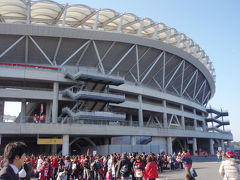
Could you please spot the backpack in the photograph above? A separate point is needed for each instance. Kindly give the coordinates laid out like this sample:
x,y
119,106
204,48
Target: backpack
x,y
193,172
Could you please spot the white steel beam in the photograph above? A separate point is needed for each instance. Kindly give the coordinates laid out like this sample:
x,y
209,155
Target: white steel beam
x,y
169,124
28,3
154,36
157,84
109,20
83,53
204,89
56,51
134,77
173,74
106,53
152,66
86,18
98,56
137,62
79,49
116,65
64,14
175,89
204,100
39,48
195,86
130,23
119,28
26,50
200,89
10,47
96,22
183,70
164,66
189,82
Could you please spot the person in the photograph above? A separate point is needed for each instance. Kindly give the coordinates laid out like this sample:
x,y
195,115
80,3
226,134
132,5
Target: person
x,y
188,177
187,161
15,155
123,167
63,175
151,171
230,167
138,168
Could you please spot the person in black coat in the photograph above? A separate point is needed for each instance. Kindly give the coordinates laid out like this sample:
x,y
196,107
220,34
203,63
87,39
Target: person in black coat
x,y
14,153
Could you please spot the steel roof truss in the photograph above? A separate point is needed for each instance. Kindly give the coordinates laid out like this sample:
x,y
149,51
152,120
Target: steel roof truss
x,y
175,89
199,89
26,50
108,21
195,85
157,83
10,47
152,66
108,50
204,89
134,77
40,49
56,51
137,62
173,74
99,58
122,58
204,100
189,82
183,70
73,54
83,53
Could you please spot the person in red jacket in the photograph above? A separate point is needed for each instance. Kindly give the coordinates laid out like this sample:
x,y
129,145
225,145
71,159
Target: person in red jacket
x,y
54,167
43,171
151,171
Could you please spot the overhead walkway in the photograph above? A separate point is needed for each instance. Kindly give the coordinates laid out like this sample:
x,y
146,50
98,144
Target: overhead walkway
x,y
95,77
97,115
96,96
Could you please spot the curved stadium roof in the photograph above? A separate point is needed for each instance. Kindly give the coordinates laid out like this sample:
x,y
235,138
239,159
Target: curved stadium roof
x,y
45,12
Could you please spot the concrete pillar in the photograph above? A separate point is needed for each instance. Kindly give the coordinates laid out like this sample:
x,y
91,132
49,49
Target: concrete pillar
x,y
195,146
54,149
133,140
106,141
65,146
222,145
182,117
1,110
48,112
211,143
55,102
140,111
130,120
0,139
165,122
169,145
195,120
23,111
204,122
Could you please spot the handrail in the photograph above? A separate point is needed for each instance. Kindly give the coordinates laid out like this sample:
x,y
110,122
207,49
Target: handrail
x,y
30,66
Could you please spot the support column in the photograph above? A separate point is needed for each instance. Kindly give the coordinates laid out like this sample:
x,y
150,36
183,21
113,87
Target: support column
x,y
140,111
169,145
48,112
55,102
23,111
182,117
65,146
204,122
165,123
133,140
195,120
195,146
54,149
211,143
222,145
1,110
0,139
130,120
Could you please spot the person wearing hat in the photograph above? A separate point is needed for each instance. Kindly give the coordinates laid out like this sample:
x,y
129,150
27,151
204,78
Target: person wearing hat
x,y
230,167
14,154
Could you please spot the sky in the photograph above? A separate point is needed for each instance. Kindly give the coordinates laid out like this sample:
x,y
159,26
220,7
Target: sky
x,y
214,25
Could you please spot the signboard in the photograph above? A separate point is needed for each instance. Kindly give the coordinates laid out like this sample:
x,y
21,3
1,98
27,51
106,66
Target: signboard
x,y
49,141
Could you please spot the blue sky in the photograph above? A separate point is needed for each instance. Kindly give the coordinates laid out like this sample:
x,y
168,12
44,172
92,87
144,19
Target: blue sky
x,y
214,25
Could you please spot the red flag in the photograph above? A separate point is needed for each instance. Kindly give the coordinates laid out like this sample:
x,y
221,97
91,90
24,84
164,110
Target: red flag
x,y
41,109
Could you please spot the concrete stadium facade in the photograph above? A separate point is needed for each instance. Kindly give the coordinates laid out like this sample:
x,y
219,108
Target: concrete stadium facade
x,y
104,81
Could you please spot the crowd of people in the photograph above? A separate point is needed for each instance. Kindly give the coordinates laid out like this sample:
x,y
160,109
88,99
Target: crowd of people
x,y
88,167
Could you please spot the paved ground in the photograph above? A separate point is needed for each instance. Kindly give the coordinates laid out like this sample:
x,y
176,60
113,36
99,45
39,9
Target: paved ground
x,y
205,171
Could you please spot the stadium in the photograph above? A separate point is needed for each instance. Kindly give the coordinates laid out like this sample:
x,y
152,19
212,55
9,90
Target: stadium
x,y
102,81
